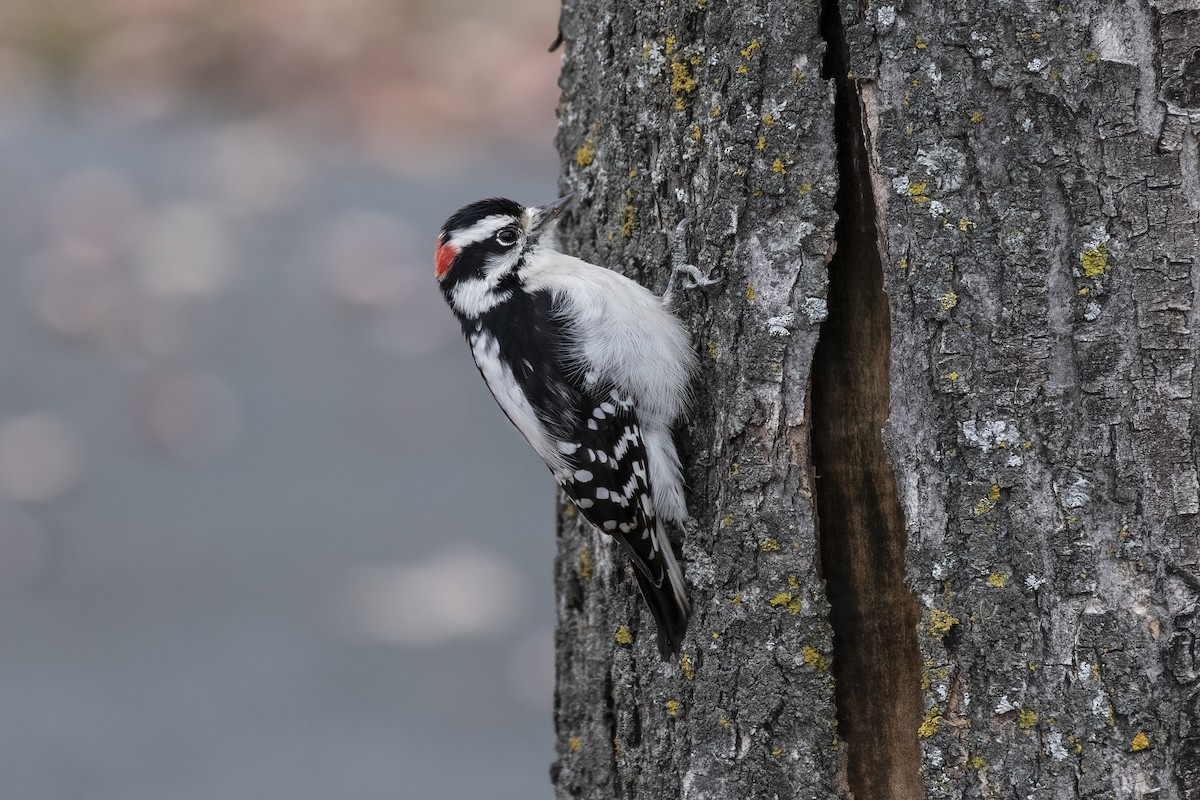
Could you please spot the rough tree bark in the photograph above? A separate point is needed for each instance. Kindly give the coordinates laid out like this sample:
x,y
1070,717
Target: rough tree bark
x,y
942,459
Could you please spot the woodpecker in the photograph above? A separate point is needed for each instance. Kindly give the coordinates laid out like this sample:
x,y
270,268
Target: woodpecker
x,y
593,370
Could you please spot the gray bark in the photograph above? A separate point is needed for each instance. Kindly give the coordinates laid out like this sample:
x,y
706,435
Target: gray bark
x,y
980,233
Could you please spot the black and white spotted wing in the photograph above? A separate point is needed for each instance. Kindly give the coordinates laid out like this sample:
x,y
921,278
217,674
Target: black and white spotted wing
x,y
610,483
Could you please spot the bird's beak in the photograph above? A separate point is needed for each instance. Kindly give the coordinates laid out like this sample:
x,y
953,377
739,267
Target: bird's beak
x,y
548,214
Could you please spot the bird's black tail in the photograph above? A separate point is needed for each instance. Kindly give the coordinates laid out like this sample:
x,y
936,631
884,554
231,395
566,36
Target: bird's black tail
x,y
668,605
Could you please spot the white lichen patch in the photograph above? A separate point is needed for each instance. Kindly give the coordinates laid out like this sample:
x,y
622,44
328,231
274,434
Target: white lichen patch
x,y
781,325
1054,746
1004,705
989,435
1076,495
885,16
945,165
815,309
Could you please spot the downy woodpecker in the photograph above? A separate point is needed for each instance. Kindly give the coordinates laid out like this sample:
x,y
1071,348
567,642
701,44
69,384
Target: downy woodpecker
x,y
593,370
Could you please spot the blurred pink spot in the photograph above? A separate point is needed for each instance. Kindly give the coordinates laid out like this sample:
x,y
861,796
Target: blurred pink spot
x,y
189,413
41,458
362,259
458,594
252,168
187,252
98,208
76,290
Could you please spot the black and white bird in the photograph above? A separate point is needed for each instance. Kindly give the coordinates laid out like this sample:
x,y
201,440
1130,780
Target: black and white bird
x,y
591,367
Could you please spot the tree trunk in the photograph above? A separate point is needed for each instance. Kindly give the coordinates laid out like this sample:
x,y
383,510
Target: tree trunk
x,y
941,458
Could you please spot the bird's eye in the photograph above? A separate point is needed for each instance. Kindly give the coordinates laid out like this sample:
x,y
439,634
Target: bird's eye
x,y
507,237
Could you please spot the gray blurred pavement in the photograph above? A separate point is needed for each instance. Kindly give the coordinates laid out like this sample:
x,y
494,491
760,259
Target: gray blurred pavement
x,y
228,483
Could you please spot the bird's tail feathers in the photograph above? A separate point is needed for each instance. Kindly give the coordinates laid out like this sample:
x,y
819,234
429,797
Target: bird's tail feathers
x,y
668,602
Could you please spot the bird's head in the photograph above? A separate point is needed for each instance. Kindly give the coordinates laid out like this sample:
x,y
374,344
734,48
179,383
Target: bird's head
x,y
486,240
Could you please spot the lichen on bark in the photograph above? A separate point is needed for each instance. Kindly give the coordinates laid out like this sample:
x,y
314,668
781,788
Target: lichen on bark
x,y
714,115
1036,185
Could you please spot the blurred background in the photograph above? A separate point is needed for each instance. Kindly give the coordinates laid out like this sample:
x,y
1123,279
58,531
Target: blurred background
x,y
263,533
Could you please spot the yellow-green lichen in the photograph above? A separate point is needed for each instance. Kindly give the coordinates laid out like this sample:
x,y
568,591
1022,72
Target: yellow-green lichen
x,y
940,622
917,191
623,637
964,223
695,133
574,743
672,708
920,43
749,49
628,221
712,349
948,301
813,658
976,762
984,506
976,117
586,154
778,167
682,81
726,520
1026,719
586,569
761,144
725,723
750,292
685,666
1140,742
929,725
736,599
768,545
953,376
996,580
791,602
1094,260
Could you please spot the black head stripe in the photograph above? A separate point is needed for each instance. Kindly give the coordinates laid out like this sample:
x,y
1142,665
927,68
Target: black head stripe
x,y
467,216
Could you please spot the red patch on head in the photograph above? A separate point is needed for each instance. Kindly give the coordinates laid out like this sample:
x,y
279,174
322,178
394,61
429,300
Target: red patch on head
x,y
443,257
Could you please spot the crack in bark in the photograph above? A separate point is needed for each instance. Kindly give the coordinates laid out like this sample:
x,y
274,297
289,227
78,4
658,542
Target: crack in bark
x,y
874,615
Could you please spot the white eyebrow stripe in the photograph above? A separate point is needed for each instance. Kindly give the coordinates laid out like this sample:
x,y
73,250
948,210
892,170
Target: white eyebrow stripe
x,y
481,230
